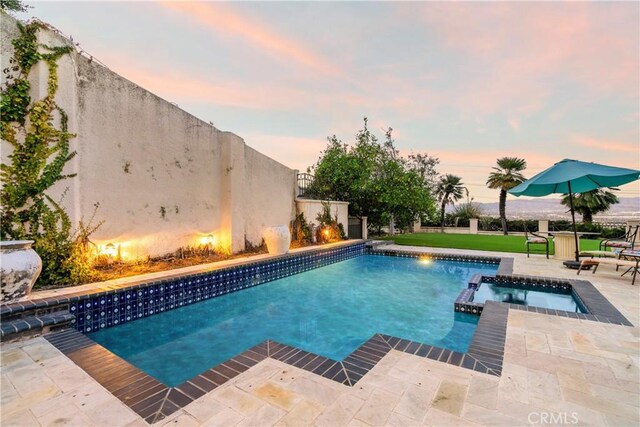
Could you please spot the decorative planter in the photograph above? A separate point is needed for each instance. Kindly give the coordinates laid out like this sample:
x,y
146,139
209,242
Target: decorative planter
x,y
278,239
20,267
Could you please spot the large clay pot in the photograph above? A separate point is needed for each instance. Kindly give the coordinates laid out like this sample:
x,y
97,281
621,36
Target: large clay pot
x,y
20,267
277,238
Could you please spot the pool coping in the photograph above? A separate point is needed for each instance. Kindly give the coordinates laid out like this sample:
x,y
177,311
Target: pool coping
x,y
154,401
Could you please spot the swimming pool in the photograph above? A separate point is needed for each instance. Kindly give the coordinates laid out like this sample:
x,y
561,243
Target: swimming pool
x,y
329,311
528,296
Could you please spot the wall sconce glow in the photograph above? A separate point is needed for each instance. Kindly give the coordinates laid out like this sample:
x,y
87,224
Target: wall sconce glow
x,y
208,240
109,250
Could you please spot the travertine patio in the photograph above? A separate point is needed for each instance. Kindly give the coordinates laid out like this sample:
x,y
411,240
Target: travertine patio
x,y
556,371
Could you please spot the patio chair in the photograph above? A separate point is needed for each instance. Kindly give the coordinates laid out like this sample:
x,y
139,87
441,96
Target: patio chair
x,y
630,260
536,239
627,241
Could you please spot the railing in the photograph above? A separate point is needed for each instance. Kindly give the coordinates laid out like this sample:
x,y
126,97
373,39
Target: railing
x,y
610,224
304,183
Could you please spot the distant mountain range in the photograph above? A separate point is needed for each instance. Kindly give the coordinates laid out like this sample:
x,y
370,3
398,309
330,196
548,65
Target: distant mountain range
x,y
627,209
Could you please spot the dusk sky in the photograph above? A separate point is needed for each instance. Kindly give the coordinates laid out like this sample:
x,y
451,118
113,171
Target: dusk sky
x,y
465,82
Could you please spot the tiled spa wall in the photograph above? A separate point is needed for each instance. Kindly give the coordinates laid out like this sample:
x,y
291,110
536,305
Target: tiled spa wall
x,y
125,305
465,302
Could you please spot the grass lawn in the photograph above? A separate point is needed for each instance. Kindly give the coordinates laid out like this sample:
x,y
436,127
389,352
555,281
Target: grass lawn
x,y
480,242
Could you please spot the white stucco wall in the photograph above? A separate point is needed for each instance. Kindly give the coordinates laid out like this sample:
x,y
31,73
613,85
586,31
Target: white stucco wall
x,y
154,169
265,204
163,178
311,209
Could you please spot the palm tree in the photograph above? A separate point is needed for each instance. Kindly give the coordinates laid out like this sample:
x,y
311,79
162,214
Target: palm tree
x,y
592,202
448,190
506,176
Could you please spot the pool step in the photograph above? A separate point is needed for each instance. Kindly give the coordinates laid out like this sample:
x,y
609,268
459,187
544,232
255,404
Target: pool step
x,y
26,319
475,281
34,325
375,244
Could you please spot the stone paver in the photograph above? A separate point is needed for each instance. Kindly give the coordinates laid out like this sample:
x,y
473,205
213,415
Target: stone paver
x,y
450,397
552,366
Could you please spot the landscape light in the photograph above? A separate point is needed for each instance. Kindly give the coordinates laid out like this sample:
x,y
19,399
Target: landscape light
x,y
110,250
208,240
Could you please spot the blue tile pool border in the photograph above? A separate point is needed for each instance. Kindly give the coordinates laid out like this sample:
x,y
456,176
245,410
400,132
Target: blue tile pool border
x,y
99,312
98,309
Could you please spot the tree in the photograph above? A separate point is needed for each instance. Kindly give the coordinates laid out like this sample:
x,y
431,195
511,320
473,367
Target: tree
x,y
592,202
448,190
372,176
506,176
10,6
425,166
468,210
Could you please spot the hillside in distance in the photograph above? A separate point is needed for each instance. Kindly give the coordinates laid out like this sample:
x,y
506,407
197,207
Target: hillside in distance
x,y
627,209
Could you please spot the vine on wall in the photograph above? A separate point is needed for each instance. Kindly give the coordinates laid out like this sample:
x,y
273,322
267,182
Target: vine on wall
x,y
37,132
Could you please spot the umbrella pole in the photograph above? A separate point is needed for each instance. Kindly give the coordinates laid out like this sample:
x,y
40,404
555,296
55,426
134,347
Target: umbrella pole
x,y
573,220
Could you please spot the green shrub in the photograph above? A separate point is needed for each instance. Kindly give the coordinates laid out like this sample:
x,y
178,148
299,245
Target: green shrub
x,y
330,230
301,232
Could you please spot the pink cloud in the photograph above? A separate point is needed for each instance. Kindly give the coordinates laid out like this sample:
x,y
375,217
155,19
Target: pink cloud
x,y
221,18
183,86
294,152
605,144
480,157
517,54
180,85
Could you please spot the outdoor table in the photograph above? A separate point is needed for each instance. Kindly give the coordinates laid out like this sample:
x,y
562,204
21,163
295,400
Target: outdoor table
x,y
565,244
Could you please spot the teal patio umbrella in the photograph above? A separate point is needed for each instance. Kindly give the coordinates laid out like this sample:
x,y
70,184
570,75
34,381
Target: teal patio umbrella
x,y
573,176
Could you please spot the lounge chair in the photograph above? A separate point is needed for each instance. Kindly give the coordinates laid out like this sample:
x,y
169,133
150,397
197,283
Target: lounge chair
x,y
536,239
630,260
627,241
599,254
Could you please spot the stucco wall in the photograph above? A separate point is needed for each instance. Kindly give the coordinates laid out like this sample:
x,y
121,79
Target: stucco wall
x,y
265,204
311,209
162,177
154,168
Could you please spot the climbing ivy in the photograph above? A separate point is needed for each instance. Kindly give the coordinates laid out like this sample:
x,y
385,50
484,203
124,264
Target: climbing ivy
x,y
39,152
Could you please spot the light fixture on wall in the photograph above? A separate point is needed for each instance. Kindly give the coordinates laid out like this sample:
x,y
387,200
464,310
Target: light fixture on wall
x,y
208,242
110,251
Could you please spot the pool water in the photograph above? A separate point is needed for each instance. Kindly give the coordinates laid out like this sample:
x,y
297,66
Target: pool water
x,y
329,311
527,296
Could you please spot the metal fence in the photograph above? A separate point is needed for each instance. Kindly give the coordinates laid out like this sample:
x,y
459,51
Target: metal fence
x,y
355,228
304,183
